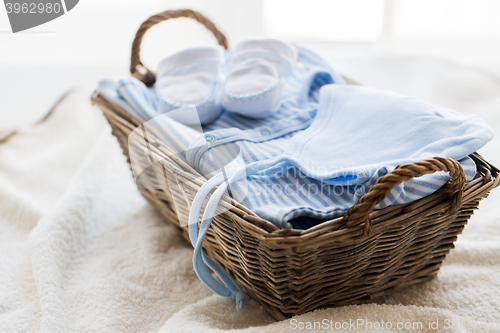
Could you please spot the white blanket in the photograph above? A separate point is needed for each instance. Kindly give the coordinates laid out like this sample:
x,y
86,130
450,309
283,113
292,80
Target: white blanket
x,y
82,251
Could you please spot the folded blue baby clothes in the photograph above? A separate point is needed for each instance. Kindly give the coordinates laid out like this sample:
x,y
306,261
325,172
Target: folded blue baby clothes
x,y
359,134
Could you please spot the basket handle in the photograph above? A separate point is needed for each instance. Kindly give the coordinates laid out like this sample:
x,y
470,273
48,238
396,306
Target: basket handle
x,y
360,212
135,60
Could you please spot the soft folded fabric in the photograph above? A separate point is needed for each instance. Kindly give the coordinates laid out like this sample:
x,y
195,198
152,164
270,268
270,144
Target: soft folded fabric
x,y
359,130
255,84
191,77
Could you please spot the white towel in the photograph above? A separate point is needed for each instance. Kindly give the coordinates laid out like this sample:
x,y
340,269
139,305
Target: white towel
x,y
82,251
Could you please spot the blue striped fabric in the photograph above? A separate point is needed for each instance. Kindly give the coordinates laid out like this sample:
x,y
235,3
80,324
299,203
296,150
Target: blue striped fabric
x,y
282,195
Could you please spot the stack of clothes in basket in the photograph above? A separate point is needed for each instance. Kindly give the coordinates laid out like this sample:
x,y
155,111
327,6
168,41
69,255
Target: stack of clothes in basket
x,y
274,126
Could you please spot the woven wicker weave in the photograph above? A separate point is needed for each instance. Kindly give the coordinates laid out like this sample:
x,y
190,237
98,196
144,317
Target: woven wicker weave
x,y
347,260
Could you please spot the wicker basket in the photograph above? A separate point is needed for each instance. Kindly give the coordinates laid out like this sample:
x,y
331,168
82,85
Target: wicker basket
x,y
347,260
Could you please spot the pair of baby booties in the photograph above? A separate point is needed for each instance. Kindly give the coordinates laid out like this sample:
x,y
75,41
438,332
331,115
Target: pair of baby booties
x,y
252,88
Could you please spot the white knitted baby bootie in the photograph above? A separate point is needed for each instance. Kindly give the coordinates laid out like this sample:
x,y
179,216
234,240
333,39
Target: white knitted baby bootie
x,y
255,83
191,77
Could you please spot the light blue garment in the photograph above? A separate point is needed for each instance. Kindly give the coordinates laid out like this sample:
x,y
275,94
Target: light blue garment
x,y
267,146
359,130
